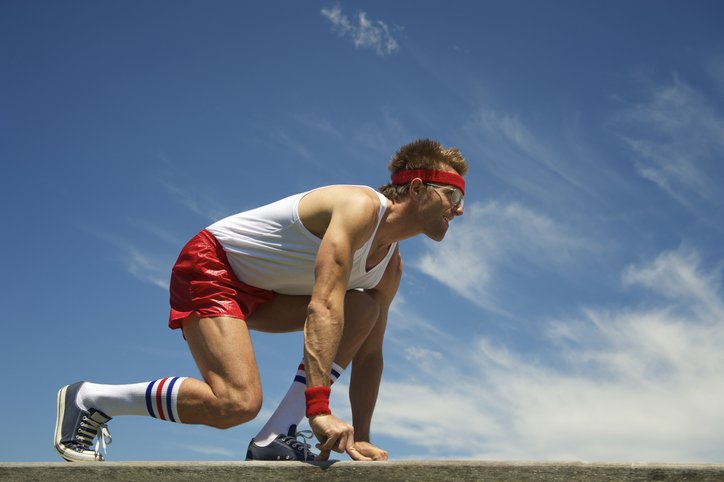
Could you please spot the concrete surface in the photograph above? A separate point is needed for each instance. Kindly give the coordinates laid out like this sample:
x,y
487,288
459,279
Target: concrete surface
x,y
413,470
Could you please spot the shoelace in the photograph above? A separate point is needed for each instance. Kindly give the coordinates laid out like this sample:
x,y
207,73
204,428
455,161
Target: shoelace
x,y
293,442
103,440
90,429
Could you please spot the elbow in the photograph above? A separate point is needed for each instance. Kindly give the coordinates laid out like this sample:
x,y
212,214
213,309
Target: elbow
x,y
323,315
318,308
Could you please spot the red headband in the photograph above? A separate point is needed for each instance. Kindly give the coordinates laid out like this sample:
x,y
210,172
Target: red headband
x,y
429,175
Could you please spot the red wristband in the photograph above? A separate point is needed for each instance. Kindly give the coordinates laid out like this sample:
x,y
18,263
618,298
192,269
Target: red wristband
x,y
317,401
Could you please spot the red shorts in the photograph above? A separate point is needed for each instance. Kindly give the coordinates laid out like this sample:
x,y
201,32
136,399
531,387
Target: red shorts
x,y
203,283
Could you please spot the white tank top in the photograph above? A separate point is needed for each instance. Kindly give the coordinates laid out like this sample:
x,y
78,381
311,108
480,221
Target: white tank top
x,y
269,247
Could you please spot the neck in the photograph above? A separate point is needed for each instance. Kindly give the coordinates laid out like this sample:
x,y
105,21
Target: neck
x,y
396,224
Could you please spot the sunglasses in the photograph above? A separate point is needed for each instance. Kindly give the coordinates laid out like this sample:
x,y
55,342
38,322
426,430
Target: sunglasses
x,y
454,194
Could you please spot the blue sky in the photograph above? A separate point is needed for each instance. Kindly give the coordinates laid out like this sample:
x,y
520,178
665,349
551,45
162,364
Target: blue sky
x,y
575,312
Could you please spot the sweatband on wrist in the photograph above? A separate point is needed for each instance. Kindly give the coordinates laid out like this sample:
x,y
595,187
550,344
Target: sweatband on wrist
x,y
317,401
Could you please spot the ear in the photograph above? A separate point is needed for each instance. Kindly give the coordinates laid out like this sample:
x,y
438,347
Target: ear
x,y
416,188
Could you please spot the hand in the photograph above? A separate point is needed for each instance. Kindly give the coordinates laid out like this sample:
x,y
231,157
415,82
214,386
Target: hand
x,y
370,451
334,434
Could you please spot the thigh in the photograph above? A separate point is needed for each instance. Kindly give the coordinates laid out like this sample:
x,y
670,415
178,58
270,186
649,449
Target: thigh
x,y
283,314
286,313
222,349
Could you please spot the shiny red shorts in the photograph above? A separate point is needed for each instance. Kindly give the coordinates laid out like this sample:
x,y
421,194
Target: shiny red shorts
x,y
203,283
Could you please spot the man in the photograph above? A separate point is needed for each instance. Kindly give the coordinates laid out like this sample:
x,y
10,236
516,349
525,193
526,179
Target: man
x,y
325,262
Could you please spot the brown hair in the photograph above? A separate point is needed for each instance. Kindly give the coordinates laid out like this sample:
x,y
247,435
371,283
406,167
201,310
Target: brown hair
x,y
422,154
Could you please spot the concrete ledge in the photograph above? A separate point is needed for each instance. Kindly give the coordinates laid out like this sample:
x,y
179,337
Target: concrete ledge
x,y
359,471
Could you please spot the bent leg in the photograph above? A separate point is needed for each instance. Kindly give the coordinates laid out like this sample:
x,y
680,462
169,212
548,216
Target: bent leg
x,y
288,313
231,391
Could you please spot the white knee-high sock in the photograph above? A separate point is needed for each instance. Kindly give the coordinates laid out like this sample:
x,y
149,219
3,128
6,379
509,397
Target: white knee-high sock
x,y
156,398
292,408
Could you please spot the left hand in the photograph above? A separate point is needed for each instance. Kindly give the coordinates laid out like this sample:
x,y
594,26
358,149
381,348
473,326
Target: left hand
x,y
370,451
334,434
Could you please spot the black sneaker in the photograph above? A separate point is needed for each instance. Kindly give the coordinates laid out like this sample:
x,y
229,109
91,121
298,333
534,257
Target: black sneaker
x,y
75,429
284,447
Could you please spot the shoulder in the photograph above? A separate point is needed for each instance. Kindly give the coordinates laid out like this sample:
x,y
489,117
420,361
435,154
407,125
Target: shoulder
x,y
345,199
350,194
355,204
341,205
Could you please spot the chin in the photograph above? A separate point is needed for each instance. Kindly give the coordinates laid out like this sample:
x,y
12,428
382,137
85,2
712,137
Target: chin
x,y
436,236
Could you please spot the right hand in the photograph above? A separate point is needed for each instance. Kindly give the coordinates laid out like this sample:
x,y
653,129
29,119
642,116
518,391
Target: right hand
x,y
334,434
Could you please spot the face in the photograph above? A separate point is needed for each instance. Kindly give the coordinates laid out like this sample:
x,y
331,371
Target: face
x,y
440,206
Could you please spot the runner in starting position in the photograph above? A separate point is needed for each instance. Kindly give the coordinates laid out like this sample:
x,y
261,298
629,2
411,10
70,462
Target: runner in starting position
x,y
325,262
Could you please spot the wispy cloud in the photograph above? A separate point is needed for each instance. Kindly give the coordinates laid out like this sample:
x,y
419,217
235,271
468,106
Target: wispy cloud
x,y
321,125
383,134
676,137
493,237
315,160
167,236
282,138
554,166
364,32
638,383
674,275
145,267
194,201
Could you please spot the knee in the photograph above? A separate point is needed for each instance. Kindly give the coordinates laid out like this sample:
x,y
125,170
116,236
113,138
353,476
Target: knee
x,y
236,409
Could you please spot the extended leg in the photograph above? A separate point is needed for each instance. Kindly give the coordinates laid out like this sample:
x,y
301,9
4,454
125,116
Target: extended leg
x,y
229,395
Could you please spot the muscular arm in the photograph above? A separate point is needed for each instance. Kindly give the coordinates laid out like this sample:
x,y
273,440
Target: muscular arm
x,y
344,217
368,363
352,218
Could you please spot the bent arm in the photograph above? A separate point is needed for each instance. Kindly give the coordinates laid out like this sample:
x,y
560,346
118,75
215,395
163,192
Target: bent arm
x,y
325,322
367,365
351,223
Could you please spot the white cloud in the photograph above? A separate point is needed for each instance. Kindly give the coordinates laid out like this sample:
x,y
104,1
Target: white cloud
x,y
149,269
165,235
527,159
511,129
283,139
364,32
321,125
416,353
631,383
677,138
494,236
674,275
381,135
193,200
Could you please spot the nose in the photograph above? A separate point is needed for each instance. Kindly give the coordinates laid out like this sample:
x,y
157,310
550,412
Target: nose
x,y
458,210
